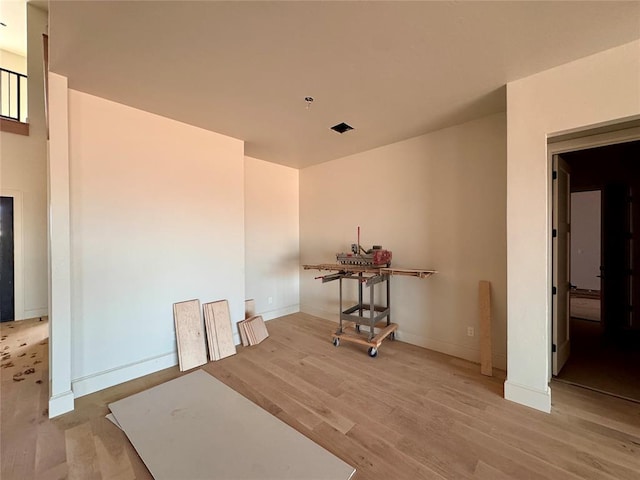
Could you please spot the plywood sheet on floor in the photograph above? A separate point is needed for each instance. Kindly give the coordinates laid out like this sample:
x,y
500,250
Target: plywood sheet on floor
x,y
197,427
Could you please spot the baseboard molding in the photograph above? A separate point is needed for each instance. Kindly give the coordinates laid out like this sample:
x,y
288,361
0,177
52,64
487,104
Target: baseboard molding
x,y
36,313
529,397
455,350
61,403
280,312
318,312
99,381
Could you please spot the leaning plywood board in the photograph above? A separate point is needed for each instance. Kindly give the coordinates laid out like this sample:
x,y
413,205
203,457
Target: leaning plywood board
x,y
484,309
192,349
218,322
212,340
243,333
249,308
214,432
256,329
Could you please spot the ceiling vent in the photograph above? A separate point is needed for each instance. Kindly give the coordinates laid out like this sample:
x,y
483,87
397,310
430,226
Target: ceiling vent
x,y
341,128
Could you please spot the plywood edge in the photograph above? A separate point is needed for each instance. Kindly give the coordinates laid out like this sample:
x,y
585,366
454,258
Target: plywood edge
x,y
212,341
484,311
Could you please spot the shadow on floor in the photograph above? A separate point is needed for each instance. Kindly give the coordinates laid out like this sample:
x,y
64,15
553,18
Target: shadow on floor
x,y
600,363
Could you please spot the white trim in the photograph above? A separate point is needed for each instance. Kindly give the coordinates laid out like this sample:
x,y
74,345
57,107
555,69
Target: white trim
x,y
540,400
280,312
588,140
61,403
115,376
318,312
469,353
18,249
59,238
35,313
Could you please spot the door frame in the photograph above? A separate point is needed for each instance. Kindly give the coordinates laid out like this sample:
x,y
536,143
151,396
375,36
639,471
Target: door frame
x,y
565,143
18,249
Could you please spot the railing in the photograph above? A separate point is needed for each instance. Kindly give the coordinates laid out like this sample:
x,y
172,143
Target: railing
x,y
13,95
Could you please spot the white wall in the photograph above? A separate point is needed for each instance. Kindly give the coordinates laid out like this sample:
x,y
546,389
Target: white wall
x,y
157,217
594,90
436,201
13,61
585,239
23,170
272,243
18,64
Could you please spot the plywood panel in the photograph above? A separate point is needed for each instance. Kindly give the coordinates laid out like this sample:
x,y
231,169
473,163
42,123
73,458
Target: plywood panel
x,y
256,329
249,308
192,350
212,339
215,432
217,317
484,308
243,333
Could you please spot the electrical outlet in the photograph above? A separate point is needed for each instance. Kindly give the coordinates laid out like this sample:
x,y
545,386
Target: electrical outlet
x,y
270,300
470,332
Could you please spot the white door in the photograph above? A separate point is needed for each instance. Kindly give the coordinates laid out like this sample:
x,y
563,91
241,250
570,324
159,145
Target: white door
x,y
561,262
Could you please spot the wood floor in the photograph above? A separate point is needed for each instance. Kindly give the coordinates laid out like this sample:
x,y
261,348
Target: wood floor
x,y
408,414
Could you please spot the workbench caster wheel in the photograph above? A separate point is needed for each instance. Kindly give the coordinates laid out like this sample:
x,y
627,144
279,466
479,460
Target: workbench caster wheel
x,y
373,352
336,342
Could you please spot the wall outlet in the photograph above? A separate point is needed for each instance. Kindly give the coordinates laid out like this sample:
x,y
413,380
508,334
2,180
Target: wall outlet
x,y
470,332
270,300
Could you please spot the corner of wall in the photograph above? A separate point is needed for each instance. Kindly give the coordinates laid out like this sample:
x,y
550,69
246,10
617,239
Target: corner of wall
x,y
540,400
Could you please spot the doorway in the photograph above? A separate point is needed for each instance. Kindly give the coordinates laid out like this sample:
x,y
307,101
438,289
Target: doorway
x,y
604,296
7,270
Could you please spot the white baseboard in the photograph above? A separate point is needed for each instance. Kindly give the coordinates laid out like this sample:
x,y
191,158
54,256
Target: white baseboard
x,y
529,397
99,381
61,403
280,312
455,350
318,312
33,313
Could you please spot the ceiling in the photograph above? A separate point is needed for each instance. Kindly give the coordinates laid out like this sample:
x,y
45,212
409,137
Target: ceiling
x,y
392,70
13,36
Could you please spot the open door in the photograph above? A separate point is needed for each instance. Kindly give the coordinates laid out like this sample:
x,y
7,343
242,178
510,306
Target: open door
x,y
561,262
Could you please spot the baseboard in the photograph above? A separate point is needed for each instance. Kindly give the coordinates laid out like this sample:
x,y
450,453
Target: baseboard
x,y
529,397
33,313
99,381
318,312
471,354
280,312
61,403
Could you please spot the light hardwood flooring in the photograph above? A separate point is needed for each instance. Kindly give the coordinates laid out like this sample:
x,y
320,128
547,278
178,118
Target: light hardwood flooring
x,y
410,413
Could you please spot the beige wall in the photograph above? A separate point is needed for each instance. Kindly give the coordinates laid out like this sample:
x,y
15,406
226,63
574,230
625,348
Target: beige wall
x,y
12,61
272,244
436,201
598,89
23,172
157,217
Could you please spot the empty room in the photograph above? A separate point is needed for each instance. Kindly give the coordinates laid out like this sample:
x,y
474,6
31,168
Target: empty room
x,y
315,240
